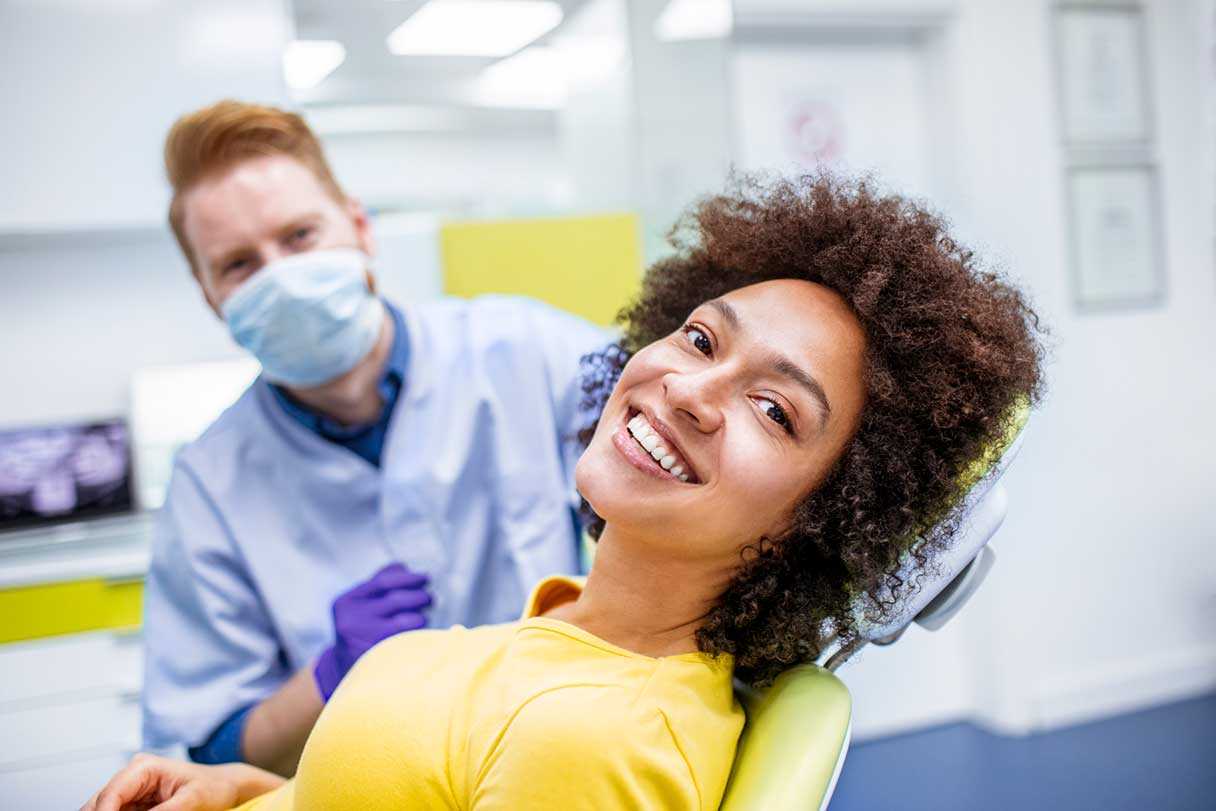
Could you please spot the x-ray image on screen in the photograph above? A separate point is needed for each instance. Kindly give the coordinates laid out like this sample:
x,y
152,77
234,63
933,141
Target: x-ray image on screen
x,y
64,472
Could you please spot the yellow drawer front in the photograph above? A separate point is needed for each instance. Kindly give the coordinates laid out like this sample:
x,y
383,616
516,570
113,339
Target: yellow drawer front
x,y
68,608
589,266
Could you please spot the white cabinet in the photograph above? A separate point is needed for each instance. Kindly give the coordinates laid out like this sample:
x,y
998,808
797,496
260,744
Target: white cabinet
x,y
69,715
63,785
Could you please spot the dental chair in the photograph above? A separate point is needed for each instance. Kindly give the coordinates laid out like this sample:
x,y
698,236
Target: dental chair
x,y
798,730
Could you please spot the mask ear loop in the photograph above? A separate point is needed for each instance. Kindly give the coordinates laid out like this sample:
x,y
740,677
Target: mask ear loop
x,y
369,273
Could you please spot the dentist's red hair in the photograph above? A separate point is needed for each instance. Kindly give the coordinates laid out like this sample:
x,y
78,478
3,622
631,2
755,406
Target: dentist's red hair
x,y
216,138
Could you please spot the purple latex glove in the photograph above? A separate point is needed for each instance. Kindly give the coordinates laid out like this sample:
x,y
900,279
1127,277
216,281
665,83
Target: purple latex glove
x,y
389,602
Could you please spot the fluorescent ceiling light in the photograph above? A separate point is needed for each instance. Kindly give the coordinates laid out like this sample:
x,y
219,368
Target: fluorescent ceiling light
x,y
306,62
474,27
694,19
533,78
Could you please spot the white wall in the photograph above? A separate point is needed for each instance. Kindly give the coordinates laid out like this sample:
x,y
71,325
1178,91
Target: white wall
x,y
647,124
91,286
1105,599
89,89
1104,595
483,172
77,317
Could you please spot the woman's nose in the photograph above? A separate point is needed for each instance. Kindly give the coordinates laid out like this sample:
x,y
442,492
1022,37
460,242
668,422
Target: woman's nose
x,y
697,397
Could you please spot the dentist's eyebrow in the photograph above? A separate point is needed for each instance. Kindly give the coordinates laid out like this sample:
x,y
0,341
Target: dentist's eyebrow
x,y
778,363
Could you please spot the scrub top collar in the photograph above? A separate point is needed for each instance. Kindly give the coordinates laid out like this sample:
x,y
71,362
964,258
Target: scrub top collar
x,y
358,437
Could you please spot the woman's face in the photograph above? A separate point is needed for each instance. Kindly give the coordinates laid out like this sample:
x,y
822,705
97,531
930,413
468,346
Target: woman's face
x,y
748,407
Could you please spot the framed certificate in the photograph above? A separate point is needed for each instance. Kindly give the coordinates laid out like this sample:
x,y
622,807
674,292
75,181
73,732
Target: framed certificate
x,y
1116,255
1102,62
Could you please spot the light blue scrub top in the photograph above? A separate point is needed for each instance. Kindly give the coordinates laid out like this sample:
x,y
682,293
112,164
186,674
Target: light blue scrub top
x,y
265,522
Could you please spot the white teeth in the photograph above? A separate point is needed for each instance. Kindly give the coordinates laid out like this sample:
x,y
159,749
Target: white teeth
x,y
650,440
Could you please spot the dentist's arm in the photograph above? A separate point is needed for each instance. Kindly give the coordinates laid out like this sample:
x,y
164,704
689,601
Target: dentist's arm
x,y
276,729
388,603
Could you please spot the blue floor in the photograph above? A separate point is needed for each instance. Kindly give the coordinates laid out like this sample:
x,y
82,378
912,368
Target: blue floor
x,y
1163,758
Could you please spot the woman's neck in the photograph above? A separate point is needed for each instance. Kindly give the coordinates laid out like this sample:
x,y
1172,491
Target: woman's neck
x,y
645,600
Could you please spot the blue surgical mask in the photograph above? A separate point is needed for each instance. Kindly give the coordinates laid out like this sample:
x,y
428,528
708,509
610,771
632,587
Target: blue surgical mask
x,y
309,318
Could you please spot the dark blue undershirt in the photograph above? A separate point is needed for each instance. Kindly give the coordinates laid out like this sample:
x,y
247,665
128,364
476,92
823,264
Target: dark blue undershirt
x,y
365,440
224,745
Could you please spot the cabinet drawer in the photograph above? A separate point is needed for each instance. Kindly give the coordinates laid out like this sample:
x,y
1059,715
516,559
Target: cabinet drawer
x,y
107,723
58,786
65,608
104,661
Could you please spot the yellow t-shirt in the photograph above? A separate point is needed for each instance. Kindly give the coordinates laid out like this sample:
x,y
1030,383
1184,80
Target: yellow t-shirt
x,y
535,715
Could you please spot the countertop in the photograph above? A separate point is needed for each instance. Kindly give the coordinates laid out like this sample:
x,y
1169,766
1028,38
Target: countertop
x,y
111,548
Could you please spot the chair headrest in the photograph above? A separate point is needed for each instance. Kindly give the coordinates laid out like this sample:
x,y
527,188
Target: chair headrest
x,y
982,511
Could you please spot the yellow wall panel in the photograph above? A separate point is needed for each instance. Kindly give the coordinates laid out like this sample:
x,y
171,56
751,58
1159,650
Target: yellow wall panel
x,y
589,266
67,608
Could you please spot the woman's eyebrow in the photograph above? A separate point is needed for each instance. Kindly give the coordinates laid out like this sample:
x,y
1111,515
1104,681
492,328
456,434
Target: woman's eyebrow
x,y
777,362
792,371
727,312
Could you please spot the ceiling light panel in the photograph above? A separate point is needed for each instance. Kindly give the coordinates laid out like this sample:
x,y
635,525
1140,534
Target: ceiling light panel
x,y
694,19
306,62
474,27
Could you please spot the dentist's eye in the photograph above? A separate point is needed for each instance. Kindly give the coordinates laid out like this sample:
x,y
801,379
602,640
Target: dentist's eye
x,y
698,339
302,237
777,414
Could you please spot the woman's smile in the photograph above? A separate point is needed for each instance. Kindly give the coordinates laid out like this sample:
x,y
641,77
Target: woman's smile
x,y
650,451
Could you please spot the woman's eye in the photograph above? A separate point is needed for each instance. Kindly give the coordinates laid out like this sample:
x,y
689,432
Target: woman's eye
x,y
234,265
777,414
698,339
301,234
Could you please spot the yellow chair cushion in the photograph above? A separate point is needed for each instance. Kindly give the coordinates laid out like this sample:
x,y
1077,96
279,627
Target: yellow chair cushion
x,y
795,733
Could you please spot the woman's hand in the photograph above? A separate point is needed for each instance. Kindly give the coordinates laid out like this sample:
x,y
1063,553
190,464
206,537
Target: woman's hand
x,y
151,783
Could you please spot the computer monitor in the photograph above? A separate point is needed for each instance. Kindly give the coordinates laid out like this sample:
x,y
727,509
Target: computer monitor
x,y
61,473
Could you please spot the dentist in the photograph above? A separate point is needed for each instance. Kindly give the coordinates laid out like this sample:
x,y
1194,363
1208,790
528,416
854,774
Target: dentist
x,y
394,466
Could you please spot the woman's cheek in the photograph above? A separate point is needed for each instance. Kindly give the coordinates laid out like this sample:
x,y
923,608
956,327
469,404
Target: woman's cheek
x,y
760,475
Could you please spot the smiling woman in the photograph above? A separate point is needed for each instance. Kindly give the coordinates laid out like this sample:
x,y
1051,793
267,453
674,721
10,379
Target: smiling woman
x,y
949,349
801,387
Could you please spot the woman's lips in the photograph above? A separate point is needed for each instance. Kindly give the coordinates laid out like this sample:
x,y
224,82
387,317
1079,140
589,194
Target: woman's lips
x,y
637,456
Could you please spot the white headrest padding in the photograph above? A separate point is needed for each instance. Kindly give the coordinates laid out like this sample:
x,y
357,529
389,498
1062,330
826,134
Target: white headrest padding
x,y
982,513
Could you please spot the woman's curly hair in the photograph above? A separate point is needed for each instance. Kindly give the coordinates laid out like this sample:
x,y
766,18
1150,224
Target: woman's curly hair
x,y
951,350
